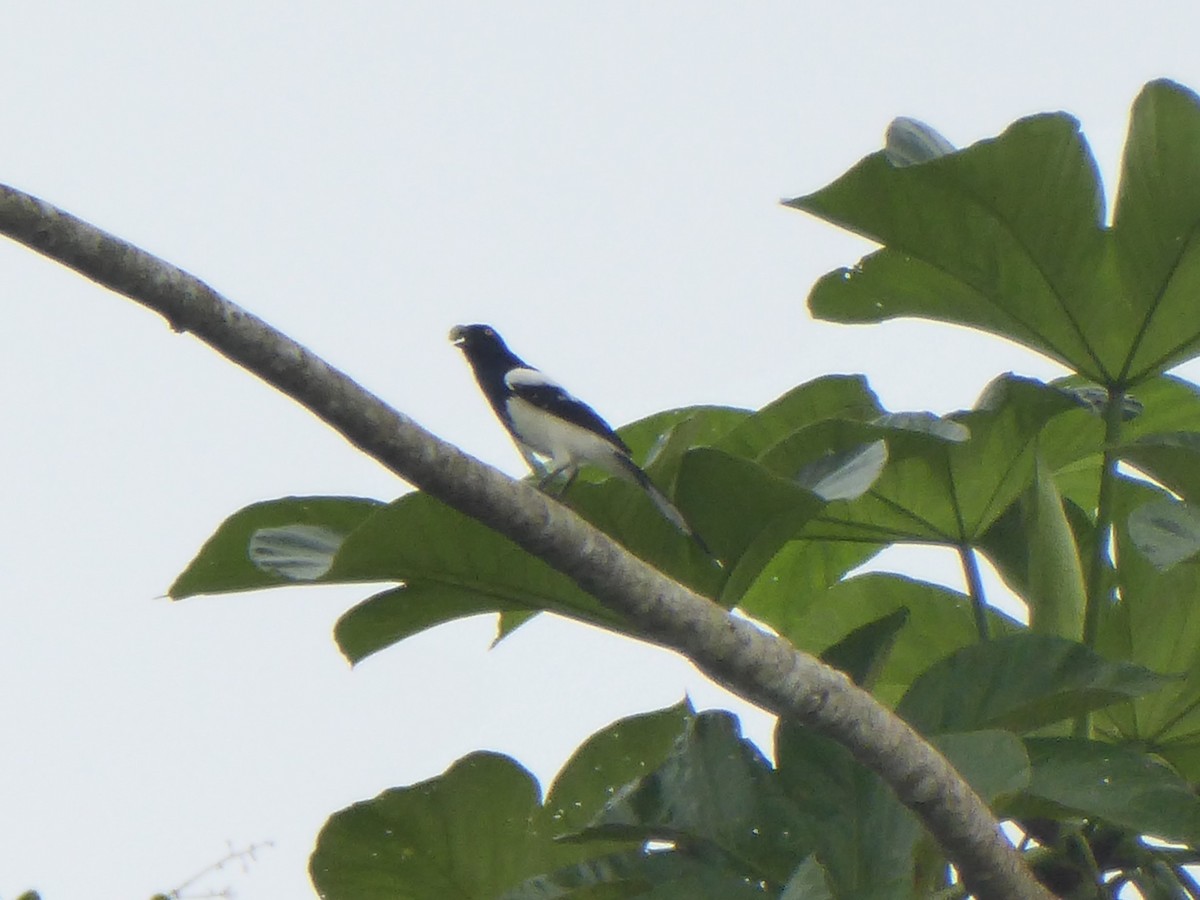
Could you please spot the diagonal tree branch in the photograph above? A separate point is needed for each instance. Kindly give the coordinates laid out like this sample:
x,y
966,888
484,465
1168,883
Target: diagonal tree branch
x,y
760,667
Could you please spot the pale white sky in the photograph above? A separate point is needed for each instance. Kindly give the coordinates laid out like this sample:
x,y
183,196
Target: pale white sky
x,y
600,181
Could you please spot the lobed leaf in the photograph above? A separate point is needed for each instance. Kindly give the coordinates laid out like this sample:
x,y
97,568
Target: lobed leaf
x,y
716,791
1008,236
1120,784
1019,682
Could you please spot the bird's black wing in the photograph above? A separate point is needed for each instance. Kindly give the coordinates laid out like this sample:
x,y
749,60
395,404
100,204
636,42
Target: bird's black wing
x,y
537,389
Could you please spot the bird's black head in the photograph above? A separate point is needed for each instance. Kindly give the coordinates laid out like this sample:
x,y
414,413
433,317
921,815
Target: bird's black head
x,y
484,347
474,338
490,359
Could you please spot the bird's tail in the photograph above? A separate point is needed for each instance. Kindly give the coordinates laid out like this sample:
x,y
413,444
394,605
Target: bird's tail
x,y
669,510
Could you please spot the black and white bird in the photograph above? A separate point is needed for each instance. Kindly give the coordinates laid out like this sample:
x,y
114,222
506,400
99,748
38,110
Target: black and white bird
x,y
547,423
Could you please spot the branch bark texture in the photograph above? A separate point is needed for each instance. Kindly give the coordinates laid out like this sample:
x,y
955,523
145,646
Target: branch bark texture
x,y
764,669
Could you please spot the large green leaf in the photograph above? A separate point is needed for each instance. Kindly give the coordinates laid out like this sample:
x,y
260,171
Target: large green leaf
x,y
863,652
479,829
453,566
832,459
1007,236
1056,593
821,547
393,615
734,502
471,833
449,564
1118,783
947,492
716,794
993,762
1025,566
780,572
1171,458
659,441
939,621
223,563
863,836
1155,229
1019,682
625,512
843,397
1154,625
712,481
624,754
609,760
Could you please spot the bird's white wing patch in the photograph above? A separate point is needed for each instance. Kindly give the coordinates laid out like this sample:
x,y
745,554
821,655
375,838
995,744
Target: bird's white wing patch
x,y
518,378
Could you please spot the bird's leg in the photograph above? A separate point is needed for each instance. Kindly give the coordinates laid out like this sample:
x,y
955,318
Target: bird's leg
x,y
570,480
549,476
539,468
554,473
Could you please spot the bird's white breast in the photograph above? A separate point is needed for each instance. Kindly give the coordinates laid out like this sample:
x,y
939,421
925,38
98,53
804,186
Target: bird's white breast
x,y
562,442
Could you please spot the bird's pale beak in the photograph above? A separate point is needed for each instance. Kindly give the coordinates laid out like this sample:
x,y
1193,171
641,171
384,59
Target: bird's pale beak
x,y
457,335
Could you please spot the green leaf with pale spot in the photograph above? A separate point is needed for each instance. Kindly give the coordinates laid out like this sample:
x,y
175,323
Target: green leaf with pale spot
x,y
950,492
1165,531
223,563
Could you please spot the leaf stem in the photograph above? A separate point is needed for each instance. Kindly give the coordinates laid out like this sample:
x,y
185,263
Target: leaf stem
x,y
975,589
1096,594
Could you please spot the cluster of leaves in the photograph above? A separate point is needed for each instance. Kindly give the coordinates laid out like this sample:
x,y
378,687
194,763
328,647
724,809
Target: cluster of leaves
x,y
1082,725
